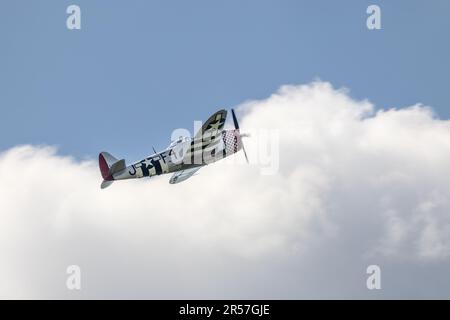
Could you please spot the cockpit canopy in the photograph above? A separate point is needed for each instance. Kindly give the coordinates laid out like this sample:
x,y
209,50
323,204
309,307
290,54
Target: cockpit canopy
x,y
178,148
180,140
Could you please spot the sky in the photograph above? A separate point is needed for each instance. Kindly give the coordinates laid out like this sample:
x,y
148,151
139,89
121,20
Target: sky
x,y
361,160
138,69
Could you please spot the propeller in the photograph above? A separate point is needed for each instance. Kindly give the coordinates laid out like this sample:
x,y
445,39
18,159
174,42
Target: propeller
x,y
236,126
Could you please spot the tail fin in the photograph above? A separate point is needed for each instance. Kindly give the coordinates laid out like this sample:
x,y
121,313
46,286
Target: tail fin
x,y
108,166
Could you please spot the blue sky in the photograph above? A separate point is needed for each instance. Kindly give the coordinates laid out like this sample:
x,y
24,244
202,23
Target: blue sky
x,y
138,69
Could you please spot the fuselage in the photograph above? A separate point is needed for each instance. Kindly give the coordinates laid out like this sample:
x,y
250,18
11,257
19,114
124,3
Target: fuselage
x,y
184,153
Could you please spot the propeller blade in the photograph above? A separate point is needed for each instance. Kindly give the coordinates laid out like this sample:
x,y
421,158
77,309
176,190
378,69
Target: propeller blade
x,y
236,124
245,153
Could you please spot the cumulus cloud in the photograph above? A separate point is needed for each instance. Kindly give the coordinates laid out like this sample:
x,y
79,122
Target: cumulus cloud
x,y
354,187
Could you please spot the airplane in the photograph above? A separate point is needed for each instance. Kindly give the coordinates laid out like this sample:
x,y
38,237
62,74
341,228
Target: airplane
x,y
183,157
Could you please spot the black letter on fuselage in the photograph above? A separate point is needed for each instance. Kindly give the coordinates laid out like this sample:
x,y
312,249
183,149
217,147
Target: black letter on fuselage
x,y
157,166
132,173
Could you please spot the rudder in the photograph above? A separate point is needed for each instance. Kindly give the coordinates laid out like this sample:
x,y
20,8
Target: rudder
x,y
105,162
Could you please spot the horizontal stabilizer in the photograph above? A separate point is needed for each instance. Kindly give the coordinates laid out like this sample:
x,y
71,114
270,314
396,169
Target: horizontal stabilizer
x,y
106,183
117,167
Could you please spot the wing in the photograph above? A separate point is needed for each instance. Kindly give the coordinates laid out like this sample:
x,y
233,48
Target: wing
x,y
208,136
183,175
214,124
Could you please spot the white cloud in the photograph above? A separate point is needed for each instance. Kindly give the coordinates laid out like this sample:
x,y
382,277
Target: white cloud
x,y
355,187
